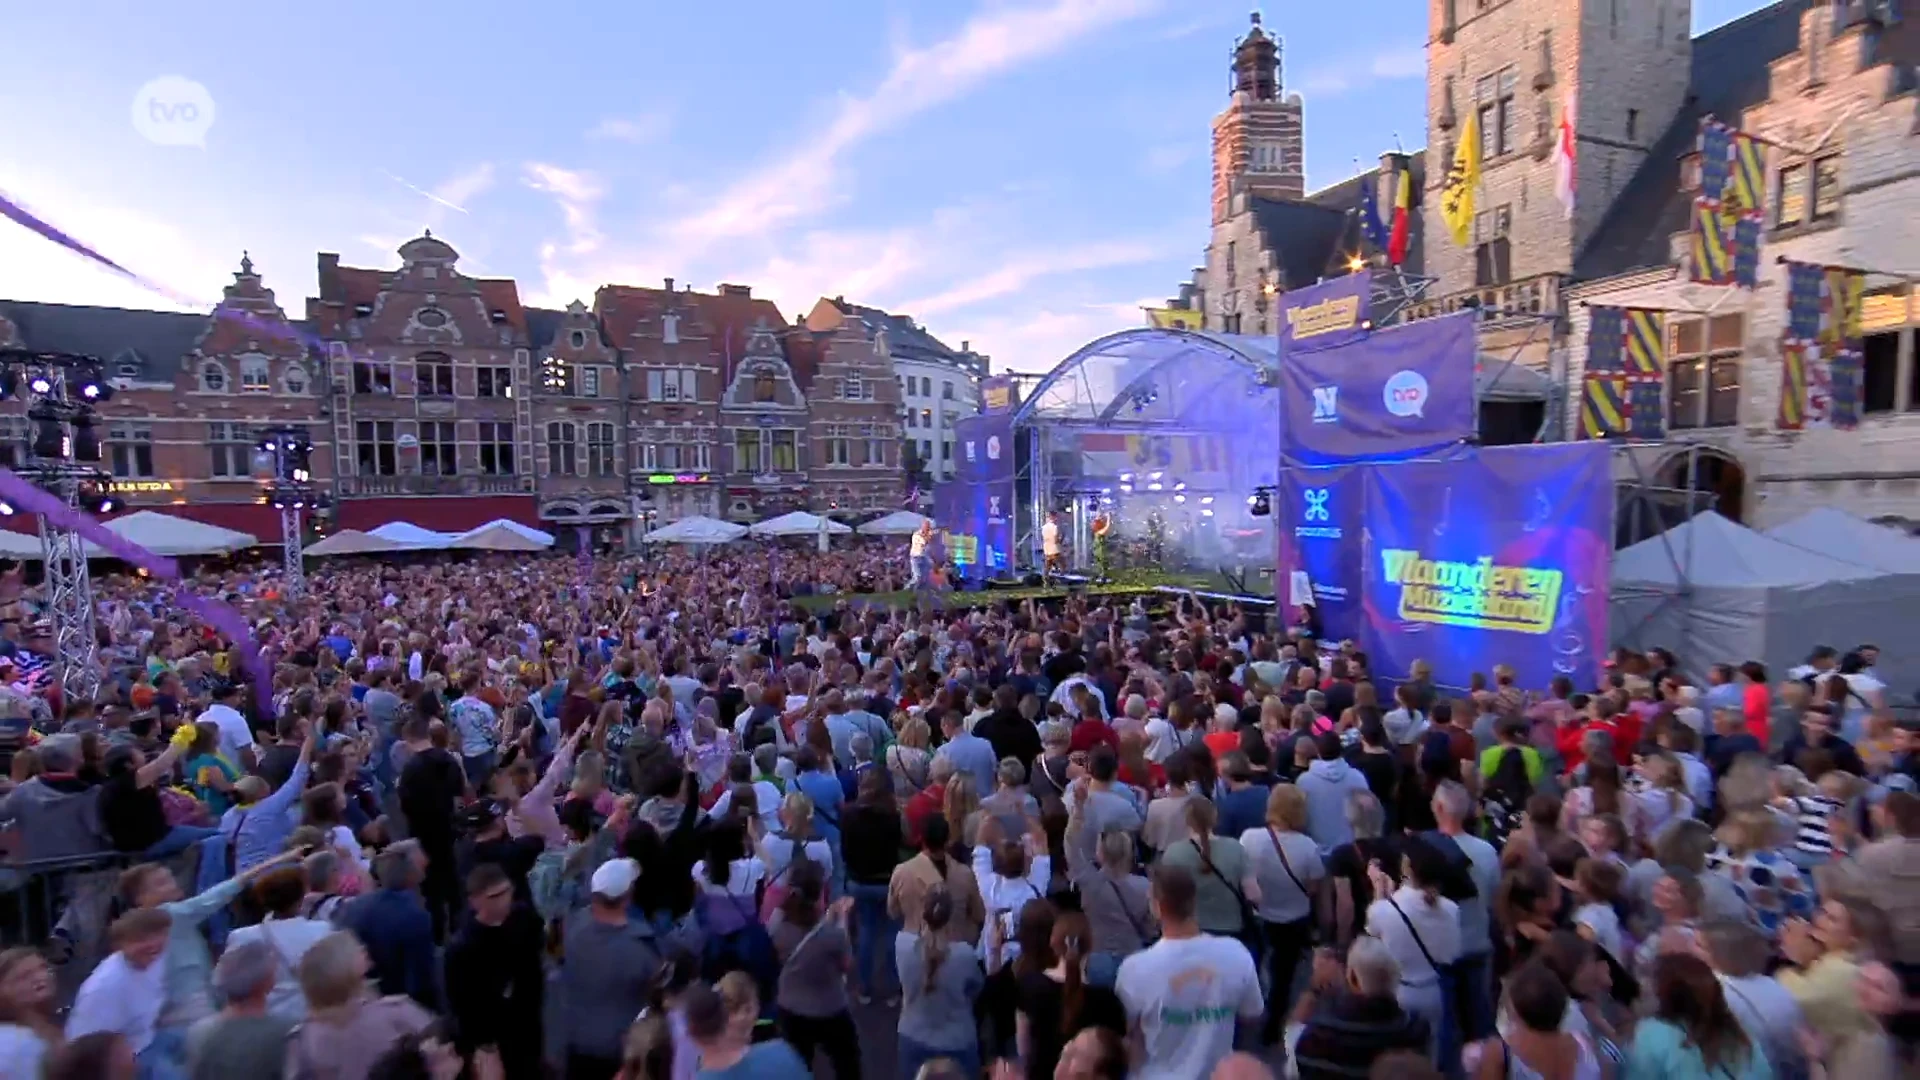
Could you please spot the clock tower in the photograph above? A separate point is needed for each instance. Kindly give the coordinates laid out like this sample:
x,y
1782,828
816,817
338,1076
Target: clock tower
x,y
1257,140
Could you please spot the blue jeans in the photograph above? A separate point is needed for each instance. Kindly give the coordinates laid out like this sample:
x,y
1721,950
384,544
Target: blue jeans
x,y
178,839
1473,996
1103,969
164,1058
912,1055
873,938
922,572
479,767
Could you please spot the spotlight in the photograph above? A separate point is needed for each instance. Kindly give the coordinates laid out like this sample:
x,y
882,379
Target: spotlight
x,y
1180,485
86,441
41,383
1126,477
1206,500
91,387
96,501
9,383
6,508
1206,513
1126,489
1155,486
49,439
1180,498
1261,505
1156,476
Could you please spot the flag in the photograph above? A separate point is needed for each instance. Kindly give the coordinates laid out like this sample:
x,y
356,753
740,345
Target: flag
x,y
1822,367
1564,154
1402,213
1463,178
1623,393
1175,319
1376,230
1724,236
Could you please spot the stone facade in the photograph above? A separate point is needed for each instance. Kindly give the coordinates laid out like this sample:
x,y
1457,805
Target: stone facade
x,y
581,452
673,384
191,393
764,428
1258,143
1834,105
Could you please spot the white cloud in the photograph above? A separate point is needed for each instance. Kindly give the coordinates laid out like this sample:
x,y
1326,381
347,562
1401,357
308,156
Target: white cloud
x,y
577,194
1357,72
645,128
1017,273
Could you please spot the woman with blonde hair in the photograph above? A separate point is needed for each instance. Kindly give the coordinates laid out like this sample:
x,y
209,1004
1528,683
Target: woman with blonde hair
x,y
1663,801
909,759
794,842
347,1029
962,807
1750,857
1227,887
940,978
1286,862
29,1028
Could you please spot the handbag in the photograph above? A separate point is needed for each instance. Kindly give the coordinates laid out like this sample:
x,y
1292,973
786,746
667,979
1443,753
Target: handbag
x,y
1313,924
1249,918
1120,898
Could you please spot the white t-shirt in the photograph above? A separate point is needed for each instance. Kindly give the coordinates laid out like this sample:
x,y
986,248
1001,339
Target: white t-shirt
x,y
289,939
1050,538
234,732
1164,740
743,876
1438,925
118,997
1604,924
21,1052
778,854
917,547
1003,897
1185,994
1769,1015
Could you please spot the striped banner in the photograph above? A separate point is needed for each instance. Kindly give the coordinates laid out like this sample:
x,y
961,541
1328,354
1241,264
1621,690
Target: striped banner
x,y
1746,193
1793,386
1711,239
1724,235
1623,392
1822,367
1603,405
1646,342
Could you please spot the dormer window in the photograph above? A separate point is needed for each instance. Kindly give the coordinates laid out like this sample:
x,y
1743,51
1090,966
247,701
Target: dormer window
x,y
213,378
255,375
127,369
362,310
431,318
578,339
499,315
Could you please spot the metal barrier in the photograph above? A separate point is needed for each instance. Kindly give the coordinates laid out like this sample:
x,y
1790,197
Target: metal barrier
x,y
74,895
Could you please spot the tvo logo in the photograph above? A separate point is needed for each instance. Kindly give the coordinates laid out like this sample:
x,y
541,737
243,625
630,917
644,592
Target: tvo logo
x,y
1326,404
1406,394
173,111
993,448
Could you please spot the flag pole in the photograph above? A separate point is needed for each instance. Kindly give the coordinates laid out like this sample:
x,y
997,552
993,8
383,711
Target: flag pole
x,y
1782,260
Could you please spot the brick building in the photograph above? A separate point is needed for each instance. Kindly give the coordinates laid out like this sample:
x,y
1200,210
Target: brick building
x,y
191,391
1831,86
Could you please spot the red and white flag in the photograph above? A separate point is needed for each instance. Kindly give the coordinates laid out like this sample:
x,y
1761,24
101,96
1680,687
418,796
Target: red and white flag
x,y
1563,155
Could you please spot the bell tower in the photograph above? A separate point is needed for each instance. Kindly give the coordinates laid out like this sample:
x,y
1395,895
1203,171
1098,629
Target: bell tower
x,y
1258,143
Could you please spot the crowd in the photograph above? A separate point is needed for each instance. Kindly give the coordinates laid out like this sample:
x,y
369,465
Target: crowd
x,y
679,816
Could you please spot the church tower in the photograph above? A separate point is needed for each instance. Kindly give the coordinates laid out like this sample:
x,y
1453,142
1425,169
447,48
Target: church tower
x,y
1257,140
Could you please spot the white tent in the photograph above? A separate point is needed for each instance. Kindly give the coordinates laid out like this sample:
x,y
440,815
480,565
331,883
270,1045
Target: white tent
x,y
24,546
898,523
502,535
798,523
696,530
164,534
412,537
353,542
1840,535
1718,592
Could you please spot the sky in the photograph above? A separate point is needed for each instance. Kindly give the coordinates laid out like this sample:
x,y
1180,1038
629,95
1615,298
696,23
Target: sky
x,y
1024,175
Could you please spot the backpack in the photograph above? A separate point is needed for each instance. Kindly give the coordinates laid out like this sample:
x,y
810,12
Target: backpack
x,y
1503,802
748,949
761,732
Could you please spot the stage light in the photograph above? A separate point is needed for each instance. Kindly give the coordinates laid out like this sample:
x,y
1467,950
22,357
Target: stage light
x,y
1356,264
1260,505
1156,486
1180,499
95,501
86,441
1156,476
6,508
1106,500
1126,478
1206,500
1180,485
9,383
1206,513
1106,491
49,439
41,383
92,388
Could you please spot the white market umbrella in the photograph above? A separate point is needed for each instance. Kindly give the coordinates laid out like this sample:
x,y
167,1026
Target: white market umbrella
x,y
164,534
798,523
502,535
412,537
696,529
353,542
898,523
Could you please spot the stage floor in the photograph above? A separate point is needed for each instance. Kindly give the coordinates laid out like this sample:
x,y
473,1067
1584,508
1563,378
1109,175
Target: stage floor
x,y
1206,586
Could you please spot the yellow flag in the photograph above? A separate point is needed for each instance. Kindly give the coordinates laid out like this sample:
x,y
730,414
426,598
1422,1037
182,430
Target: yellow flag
x,y
1463,178
1175,318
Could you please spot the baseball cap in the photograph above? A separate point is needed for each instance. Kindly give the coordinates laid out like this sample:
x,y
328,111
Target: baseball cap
x,y
615,877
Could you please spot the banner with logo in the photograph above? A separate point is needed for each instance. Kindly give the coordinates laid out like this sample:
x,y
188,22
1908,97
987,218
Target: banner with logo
x,y
1321,526
998,394
1498,556
1332,313
984,470
1383,395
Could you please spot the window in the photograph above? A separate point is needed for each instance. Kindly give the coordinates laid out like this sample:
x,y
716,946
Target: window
x,y
1703,372
295,380
1826,187
433,376
562,453
672,384
1633,124
926,418
213,378
926,450
496,448
256,375
578,339
946,390
431,318
876,451
1493,262
372,377
556,376
746,451
589,382
837,452
1230,323
786,453
699,457
493,382
649,457
1880,362
438,455
1499,120
763,388
375,452
132,450
853,388
1793,197
926,386
913,418
946,452
600,449
232,451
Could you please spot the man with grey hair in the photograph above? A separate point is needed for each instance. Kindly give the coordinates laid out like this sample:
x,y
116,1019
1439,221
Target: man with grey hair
x,y
1475,876
242,1039
56,815
1350,1016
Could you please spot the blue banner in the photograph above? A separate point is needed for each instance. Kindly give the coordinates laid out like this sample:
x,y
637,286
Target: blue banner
x,y
1497,556
1321,526
1334,312
1382,395
984,473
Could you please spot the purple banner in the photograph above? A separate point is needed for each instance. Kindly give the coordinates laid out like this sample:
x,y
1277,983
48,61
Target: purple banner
x,y
1385,395
1497,556
1320,513
1332,313
983,445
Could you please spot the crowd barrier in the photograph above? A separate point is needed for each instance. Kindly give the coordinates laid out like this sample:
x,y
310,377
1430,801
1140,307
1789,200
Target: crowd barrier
x,y
75,895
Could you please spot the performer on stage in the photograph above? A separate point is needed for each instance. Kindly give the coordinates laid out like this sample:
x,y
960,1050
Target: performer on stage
x,y
920,558
1102,550
1050,545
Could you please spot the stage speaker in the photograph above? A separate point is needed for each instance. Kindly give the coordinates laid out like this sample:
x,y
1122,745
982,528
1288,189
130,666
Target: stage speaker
x,y
1033,581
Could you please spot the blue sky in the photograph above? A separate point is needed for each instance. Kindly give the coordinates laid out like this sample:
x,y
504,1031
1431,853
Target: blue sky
x,y
1023,174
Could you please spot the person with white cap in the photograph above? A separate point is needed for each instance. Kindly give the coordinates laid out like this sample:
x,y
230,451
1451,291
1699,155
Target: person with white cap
x,y
611,961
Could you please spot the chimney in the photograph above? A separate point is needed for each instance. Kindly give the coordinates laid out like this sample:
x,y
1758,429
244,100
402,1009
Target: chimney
x,y
669,284
743,291
966,346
